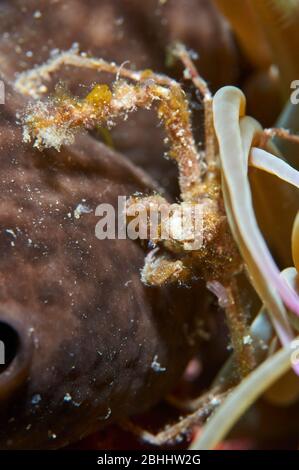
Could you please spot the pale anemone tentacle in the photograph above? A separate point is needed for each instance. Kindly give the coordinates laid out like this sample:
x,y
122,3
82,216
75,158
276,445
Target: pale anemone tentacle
x,y
229,106
295,243
274,304
251,132
291,276
244,394
265,161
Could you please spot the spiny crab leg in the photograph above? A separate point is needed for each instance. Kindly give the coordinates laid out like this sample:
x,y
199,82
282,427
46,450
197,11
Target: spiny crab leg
x,y
191,73
282,134
55,122
205,407
31,82
228,299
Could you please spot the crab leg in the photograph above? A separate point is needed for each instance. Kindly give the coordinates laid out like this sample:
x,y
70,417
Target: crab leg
x,y
282,134
191,72
31,81
229,300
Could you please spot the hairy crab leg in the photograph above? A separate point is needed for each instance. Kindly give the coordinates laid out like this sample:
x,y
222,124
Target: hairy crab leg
x,y
229,300
262,333
282,134
191,73
102,105
174,433
233,307
31,81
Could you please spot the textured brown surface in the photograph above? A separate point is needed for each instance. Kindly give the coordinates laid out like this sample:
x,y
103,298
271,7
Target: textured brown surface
x,y
121,30
89,330
95,328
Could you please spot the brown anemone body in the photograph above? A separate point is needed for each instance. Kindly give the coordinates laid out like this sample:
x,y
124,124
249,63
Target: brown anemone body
x,y
91,344
95,344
